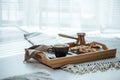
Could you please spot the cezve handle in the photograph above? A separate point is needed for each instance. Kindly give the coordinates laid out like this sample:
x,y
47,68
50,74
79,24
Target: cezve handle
x,y
66,36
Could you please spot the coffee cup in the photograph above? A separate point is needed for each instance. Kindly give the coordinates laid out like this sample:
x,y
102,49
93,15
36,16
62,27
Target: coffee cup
x,y
60,50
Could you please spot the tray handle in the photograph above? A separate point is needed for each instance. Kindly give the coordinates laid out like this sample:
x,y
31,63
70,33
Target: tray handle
x,y
38,55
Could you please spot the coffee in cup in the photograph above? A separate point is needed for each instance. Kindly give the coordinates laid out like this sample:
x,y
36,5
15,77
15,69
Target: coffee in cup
x,y
60,50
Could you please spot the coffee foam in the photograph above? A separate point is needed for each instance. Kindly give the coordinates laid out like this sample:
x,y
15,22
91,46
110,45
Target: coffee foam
x,y
61,45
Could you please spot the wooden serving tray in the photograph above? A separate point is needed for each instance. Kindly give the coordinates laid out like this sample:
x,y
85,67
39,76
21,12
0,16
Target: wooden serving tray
x,y
74,59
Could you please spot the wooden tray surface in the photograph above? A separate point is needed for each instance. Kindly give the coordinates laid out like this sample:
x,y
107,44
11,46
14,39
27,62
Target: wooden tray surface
x,y
74,59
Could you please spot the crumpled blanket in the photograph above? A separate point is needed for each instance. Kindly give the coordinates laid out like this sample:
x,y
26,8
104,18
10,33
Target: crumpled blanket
x,y
32,76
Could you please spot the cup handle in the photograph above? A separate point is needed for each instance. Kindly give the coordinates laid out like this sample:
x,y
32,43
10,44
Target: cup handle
x,y
50,50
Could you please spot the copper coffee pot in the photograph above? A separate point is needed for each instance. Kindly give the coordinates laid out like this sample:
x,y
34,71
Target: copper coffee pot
x,y
80,39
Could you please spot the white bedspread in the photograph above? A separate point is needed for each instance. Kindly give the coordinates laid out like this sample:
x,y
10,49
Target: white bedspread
x,y
13,65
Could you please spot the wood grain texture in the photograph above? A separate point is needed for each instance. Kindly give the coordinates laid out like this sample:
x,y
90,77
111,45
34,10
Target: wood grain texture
x,y
80,58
